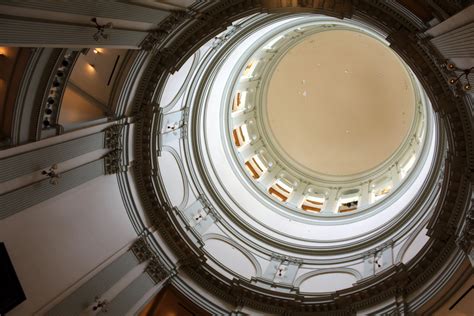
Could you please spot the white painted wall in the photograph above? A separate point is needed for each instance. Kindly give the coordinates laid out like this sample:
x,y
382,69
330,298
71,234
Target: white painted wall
x,y
172,177
56,243
175,82
415,246
328,282
230,257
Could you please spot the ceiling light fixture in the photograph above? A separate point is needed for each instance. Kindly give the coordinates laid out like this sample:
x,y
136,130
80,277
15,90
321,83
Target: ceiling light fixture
x,y
464,73
101,30
100,305
52,174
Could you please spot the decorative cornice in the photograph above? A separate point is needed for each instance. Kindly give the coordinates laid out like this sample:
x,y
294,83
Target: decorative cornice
x,y
156,271
158,35
113,137
113,162
141,250
465,239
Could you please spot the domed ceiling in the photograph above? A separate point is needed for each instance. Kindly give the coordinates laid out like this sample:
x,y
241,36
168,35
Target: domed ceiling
x,y
322,130
301,145
340,103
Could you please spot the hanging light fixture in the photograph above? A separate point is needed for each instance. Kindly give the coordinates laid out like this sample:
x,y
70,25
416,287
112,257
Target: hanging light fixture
x,y
52,174
100,305
101,30
464,73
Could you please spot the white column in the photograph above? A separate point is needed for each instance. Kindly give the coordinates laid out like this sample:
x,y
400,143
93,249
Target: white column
x,y
364,194
249,150
395,175
331,202
267,178
297,195
240,118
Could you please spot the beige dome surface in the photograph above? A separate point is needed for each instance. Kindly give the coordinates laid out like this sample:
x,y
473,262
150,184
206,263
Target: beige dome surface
x,y
339,103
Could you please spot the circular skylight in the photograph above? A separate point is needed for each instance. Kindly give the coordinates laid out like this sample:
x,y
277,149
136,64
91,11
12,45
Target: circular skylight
x,y
325,130
254,184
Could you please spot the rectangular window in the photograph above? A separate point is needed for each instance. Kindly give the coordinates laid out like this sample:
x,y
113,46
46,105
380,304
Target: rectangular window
x,y
381,188
249,69
281,189
239,101
349,201
348,206
256,166
381,192
241,135
313,203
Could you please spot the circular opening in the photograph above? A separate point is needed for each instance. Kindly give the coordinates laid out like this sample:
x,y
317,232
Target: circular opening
x,y
326,120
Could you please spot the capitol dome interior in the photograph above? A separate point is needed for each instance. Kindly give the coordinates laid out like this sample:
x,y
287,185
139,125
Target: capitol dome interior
x,y
236,157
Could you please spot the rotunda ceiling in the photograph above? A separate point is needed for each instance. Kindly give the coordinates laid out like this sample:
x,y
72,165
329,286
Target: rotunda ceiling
x,y
289,228
339,103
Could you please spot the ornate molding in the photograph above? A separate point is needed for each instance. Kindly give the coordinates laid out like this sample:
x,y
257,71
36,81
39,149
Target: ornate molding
x,y
465,239
113,162
141,250
156,271
165,28
113,137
